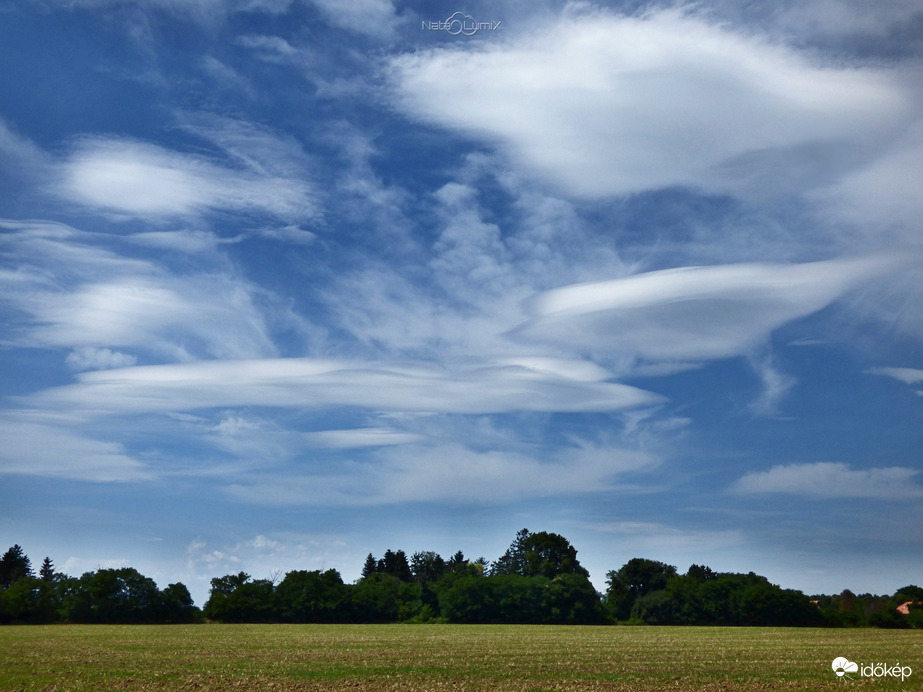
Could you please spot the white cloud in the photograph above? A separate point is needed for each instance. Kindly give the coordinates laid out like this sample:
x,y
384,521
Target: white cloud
x,y
370,17
905,375
174,317
850,18
451,472
264,557
304,382
882,199
137,179
77,295
186,241
695,313
20,154
271,48
602,105
204,11
40,449
834,480
91,358
360,437
659,538
776,385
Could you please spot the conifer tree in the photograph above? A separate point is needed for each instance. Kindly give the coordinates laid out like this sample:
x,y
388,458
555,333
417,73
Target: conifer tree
x,y
47,573
14,564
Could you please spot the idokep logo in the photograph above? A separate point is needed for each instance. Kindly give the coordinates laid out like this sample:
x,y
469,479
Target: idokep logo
x,y
843,667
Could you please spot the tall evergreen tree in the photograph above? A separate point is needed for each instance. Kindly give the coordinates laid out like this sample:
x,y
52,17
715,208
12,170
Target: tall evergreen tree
x,y
47,573
427,566
513,561
370,566
14,564
395,564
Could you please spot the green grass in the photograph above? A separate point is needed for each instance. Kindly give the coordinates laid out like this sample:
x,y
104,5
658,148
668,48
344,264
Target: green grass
x,y
436,657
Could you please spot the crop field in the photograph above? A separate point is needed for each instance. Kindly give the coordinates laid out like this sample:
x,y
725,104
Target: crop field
x,y
457,657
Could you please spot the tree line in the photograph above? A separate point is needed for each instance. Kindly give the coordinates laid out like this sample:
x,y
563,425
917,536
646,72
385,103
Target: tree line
x,y
113,596
538,580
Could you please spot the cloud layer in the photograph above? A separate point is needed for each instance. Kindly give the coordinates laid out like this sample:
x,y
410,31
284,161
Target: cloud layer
x,y
695,313
834,480
304,382
601,104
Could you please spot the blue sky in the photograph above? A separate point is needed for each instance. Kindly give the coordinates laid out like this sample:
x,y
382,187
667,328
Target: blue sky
x,y
285,282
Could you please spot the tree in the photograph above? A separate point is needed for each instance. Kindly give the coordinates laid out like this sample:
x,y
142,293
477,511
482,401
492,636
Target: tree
x,y
47,573
572,599
541,554
427,566
700,573
234,598
550,554
14,564
176,605
514,559
111,596
30,600
382,598
458,564
370,566
310,597
395,564
637,577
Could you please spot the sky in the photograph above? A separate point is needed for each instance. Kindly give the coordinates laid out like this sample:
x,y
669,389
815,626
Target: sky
x,y
287,282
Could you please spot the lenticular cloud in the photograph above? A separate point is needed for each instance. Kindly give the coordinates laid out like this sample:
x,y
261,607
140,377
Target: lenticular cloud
x,y
603,104
695,313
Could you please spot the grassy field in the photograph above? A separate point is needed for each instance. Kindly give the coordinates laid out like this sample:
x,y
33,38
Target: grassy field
x,y
436,657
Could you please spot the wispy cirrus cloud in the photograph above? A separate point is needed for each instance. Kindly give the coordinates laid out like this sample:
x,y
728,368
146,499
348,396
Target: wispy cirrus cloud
x,y
369,17
68,290
906,375
137,179
834,480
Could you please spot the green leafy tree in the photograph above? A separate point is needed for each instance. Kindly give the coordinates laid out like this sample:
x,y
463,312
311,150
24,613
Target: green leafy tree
x,y
637,577
112,596
383,598
176,605
550,554
572,599
700,573
234,598
541,554
655,608
30,601
316,596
